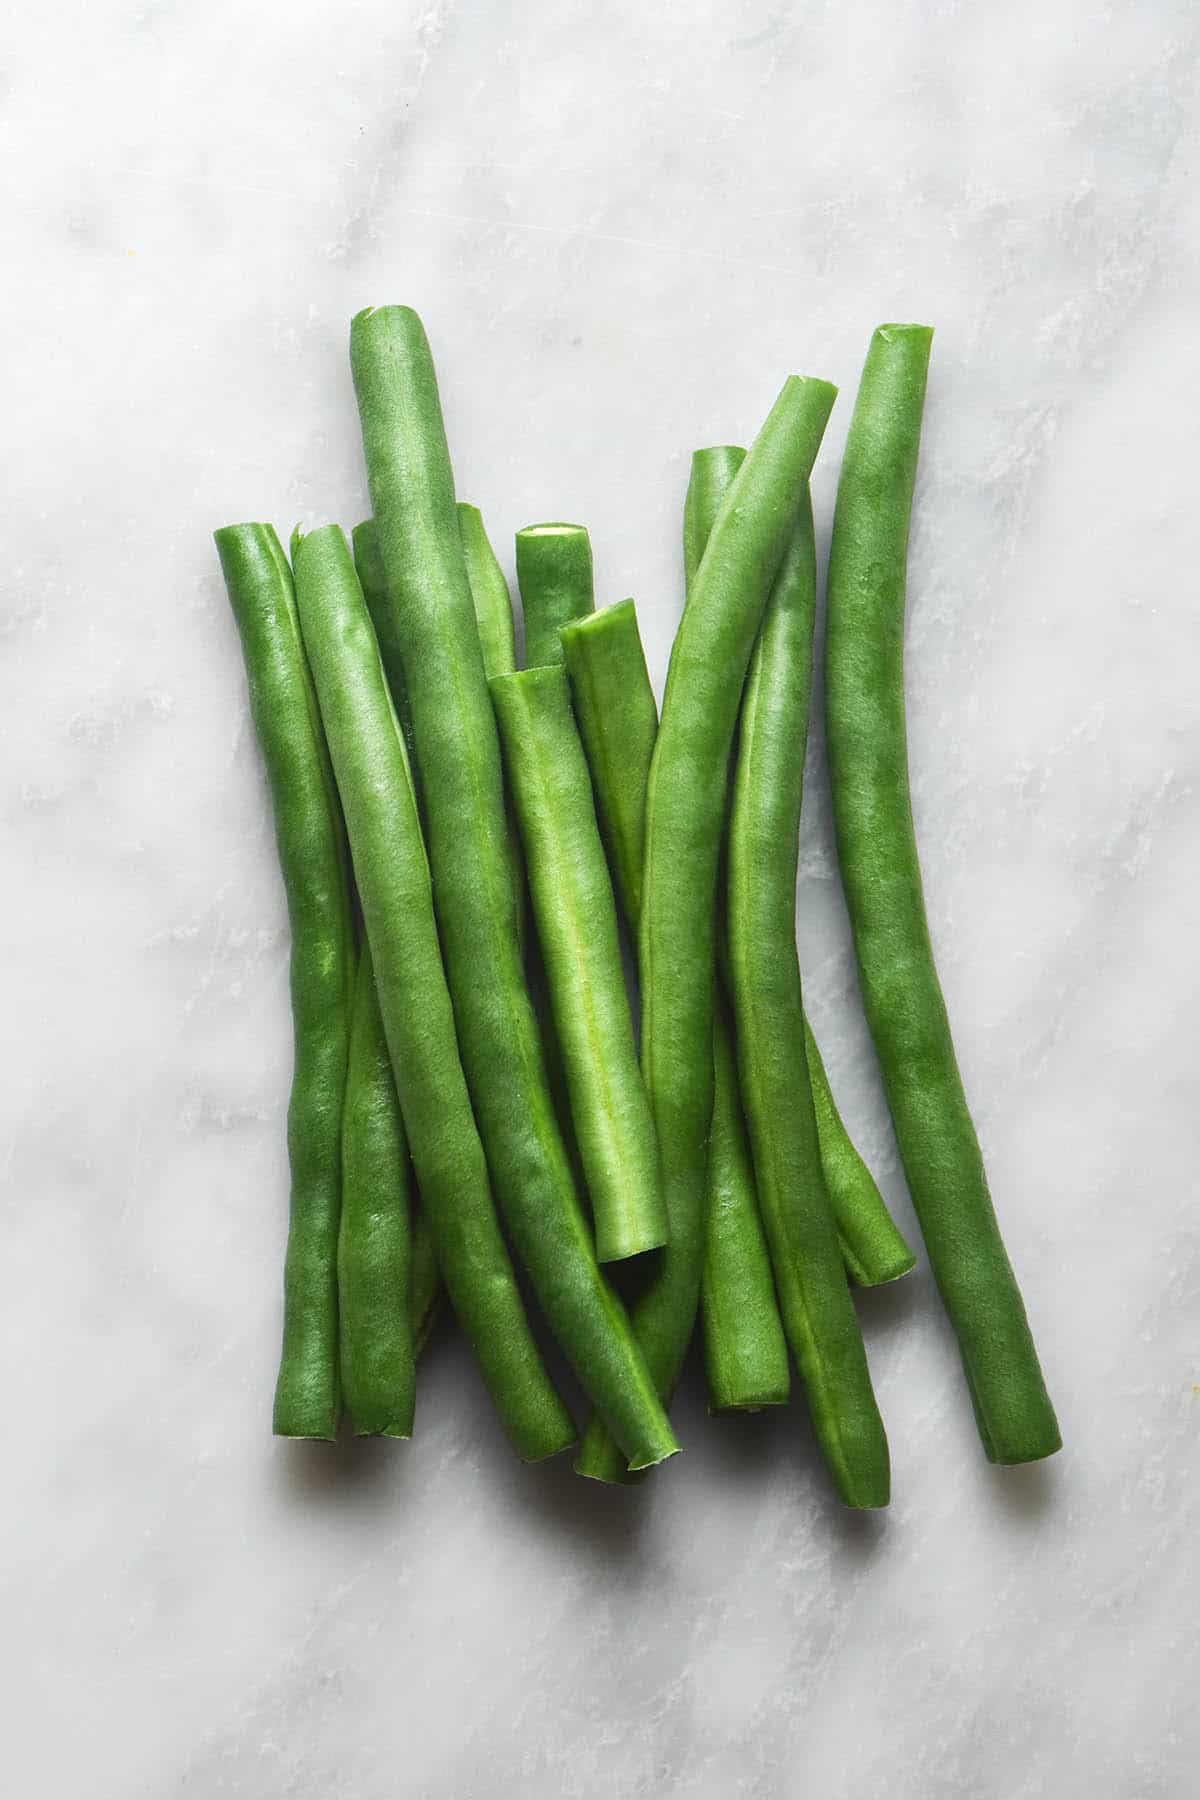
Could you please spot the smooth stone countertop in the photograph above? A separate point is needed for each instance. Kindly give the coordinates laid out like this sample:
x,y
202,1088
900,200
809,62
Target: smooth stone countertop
x,y
623,226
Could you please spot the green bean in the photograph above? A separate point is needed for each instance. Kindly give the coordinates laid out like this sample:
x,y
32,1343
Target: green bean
x,y
685,806
617,717
489,593
554,574
745,1350
368,565
375,1327
412,490
764,825
312,855
868,758
577,928
390,865
872,1247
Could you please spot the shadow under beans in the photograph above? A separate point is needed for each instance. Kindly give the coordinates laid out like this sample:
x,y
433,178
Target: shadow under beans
x,y
354,1470
1024,1492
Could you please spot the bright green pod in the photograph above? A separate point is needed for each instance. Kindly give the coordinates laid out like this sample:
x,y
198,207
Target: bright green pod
x,y
872,1247
312,856
412,493
685,808
881,875
745,1349
390,866
576,920
374,1241
617,716
554,574
764,828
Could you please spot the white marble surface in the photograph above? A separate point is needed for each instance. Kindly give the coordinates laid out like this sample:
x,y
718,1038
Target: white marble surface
x,y
623,226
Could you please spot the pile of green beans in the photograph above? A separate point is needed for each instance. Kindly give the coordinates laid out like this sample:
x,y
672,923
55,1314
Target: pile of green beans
x,y
495,1100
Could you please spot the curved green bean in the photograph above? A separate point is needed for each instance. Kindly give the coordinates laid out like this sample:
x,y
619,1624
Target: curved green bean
x,y
374,1263
489,594
312,855
764,826
745,1350
371,767
685,806
554,574
872,1247
412,490
868,759
577,929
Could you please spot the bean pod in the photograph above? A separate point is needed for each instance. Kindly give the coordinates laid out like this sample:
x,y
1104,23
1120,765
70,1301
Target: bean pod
x,y
390,866
554,574
881,874
312,856
685,807
764,825
577,929
374,1240
412,492
745,1350
872,1246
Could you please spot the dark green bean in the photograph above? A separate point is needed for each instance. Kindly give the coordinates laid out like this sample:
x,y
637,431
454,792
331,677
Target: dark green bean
x,y
374,1264
745,1349
554,574
390,865
412,490
868,759
312,854
764,826
577,928
685,807
872,1247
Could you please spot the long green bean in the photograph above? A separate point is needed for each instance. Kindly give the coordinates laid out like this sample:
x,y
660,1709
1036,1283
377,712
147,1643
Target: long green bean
x,y
764,823
684,815
881,874
412,491
577,929
872,1247
745,1350
312,855
390,866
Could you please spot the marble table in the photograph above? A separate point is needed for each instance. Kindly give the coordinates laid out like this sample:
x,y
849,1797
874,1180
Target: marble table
x,y
623,225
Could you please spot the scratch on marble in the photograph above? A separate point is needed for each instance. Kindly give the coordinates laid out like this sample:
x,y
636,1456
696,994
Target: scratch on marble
x,y
604,237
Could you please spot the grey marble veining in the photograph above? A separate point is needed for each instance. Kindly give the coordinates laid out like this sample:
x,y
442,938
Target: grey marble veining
x,y
623,225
